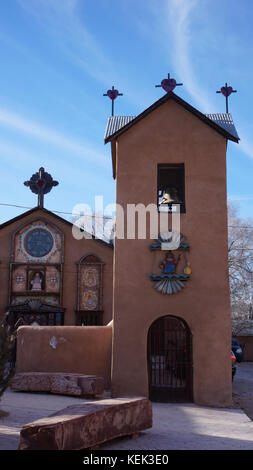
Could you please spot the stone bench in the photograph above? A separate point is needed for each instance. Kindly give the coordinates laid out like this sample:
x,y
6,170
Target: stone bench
x,y
85,426
58,383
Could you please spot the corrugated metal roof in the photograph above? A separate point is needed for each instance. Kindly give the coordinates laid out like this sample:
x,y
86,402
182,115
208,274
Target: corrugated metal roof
x,y
115,123
223,120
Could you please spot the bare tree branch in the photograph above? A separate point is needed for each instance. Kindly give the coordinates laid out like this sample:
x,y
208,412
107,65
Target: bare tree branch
x,y
240,262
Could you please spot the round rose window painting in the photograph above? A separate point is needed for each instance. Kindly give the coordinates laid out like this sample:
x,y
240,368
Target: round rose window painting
x,y
38,242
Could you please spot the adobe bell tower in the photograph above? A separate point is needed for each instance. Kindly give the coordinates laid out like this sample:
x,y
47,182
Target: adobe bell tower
x,y
171,301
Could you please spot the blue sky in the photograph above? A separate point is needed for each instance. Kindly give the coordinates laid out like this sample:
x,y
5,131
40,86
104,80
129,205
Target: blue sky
x,y
58,57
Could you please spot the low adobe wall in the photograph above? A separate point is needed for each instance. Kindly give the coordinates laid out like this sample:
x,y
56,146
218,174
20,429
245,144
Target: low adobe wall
x,y
77,349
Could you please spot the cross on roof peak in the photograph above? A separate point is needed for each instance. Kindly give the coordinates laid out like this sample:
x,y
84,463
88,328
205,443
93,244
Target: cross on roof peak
x,y
226,91
41,183
168,84
112,94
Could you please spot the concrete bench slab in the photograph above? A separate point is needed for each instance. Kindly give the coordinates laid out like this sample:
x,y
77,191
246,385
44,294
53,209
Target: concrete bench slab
x,y
85,426
58,382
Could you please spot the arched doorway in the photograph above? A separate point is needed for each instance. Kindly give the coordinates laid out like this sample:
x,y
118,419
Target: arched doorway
x,y
170,366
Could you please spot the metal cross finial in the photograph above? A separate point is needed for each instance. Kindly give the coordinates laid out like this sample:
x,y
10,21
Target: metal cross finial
x,y
41,183
112,94
168,84
226,91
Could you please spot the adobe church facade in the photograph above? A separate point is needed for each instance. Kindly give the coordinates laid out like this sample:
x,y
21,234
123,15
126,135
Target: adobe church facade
x,y
170,338
50,278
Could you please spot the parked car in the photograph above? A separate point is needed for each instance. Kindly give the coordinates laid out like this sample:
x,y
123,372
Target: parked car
x,y
233,358
237,350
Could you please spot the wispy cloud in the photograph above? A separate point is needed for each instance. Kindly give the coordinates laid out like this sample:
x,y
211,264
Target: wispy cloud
x,y
180,14
245,145
43,133
16,160
64,21
235,198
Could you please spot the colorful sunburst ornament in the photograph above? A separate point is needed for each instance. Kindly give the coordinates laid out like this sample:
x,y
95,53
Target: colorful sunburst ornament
x,y
169,281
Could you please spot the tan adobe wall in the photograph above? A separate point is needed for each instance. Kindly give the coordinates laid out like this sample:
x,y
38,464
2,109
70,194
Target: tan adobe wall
x,y
78,349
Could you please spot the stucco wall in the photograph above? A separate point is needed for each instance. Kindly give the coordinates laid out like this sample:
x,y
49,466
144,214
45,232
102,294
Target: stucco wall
x,y
84,350
171,134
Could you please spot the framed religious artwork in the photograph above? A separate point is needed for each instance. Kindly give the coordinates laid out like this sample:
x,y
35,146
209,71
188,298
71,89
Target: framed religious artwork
x,y
89,289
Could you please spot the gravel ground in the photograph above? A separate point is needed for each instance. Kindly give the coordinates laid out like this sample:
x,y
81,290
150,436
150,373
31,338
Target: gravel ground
x,y
243,388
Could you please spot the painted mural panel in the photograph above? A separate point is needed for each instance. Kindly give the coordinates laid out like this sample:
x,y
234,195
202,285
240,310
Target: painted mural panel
x,y
89,287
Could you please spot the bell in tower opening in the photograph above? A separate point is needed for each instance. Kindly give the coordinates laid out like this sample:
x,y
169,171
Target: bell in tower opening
x,y
170,196
170,189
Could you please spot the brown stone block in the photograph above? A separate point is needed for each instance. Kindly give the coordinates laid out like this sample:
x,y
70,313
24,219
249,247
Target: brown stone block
x,y
87,425
58,383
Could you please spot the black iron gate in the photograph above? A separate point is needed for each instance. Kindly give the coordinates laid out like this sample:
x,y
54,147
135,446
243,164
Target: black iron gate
x,y
170,365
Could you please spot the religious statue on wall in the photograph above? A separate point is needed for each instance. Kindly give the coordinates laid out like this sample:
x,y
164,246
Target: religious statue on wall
x,y
169,264
36,282
175,265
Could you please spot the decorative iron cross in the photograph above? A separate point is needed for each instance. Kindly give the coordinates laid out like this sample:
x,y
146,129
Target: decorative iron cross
x,y
168,84
226,91
112,94
41,183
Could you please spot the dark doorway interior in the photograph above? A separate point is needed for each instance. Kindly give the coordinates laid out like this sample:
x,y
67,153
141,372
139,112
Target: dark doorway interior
x,y
170,366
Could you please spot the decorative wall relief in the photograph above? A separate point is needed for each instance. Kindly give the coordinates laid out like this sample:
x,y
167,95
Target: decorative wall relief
x,y
37,256
35,278
52,279
173,263
49,300
19,279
